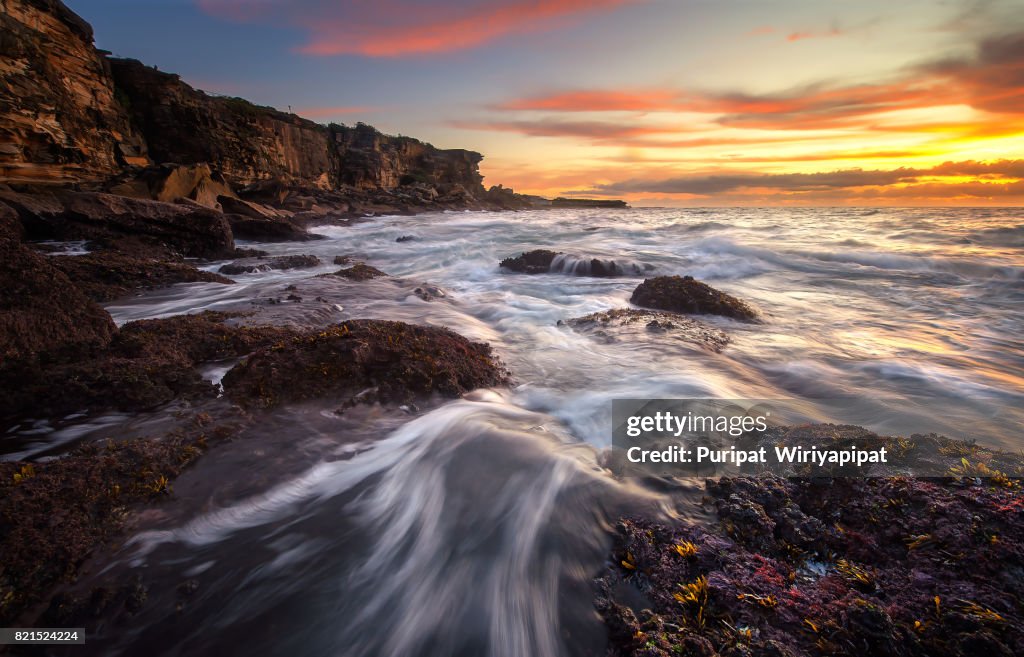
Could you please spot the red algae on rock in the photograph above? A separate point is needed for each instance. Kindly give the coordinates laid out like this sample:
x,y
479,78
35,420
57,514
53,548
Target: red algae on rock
x,y
883,566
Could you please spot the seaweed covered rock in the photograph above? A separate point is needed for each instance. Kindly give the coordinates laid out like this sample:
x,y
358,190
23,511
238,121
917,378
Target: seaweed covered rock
x,y
543,261
530,262
108,275
359,272
43,313
53,514
365,360
269,264
148,362
839,566
684,294
642,325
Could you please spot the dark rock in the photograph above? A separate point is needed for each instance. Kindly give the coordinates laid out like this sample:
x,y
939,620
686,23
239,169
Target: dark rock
x,y
248,253
279,262
399,362
683,294
44,314
626,323
530,262
562,202
105,276
359,272
55,513
842,566
542,261
148,363
63,214
342,260
429,292
405,238
268,230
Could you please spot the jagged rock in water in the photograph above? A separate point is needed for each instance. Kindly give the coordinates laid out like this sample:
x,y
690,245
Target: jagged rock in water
x,y
543,261
684,294
398,362
629,323
269,264
358,272
429,292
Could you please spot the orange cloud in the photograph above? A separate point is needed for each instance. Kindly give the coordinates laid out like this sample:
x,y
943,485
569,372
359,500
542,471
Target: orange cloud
x,y
800,36
596,130
992,81
397,28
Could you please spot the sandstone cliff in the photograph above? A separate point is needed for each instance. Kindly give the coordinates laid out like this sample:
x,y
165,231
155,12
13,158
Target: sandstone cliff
x,y
68,113
248,142
59,119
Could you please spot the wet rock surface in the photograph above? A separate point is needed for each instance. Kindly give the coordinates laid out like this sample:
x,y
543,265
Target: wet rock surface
x,y
107,275
530,262
62,214
269,264
642,325
147,363
54,514
825,566
358,272
684,294
544,261
365,360
44,314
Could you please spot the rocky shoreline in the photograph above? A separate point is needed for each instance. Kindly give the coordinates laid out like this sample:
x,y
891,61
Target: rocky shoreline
x,y
154,178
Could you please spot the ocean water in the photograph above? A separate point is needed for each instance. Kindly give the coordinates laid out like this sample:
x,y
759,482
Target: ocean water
x,y
474,527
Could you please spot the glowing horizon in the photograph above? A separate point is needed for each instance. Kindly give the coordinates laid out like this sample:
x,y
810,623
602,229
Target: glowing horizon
x,y
693,103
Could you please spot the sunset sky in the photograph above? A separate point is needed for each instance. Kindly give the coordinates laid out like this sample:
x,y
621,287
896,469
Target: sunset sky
x,y
685,102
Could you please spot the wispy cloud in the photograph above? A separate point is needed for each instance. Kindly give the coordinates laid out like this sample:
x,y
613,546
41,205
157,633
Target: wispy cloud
x,y
999,175
991,80
397,28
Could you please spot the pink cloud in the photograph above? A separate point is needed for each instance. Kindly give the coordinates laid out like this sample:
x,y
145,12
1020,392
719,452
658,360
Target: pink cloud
x,y
397,28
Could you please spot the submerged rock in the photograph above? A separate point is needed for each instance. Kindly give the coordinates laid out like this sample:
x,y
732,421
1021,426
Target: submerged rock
x,y
359,272
365,360
106,275
622,323
684,294
543,261
269,264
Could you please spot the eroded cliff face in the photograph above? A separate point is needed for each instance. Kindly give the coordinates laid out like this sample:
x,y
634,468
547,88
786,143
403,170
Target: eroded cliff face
x,y
248,143
68,113
59,119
